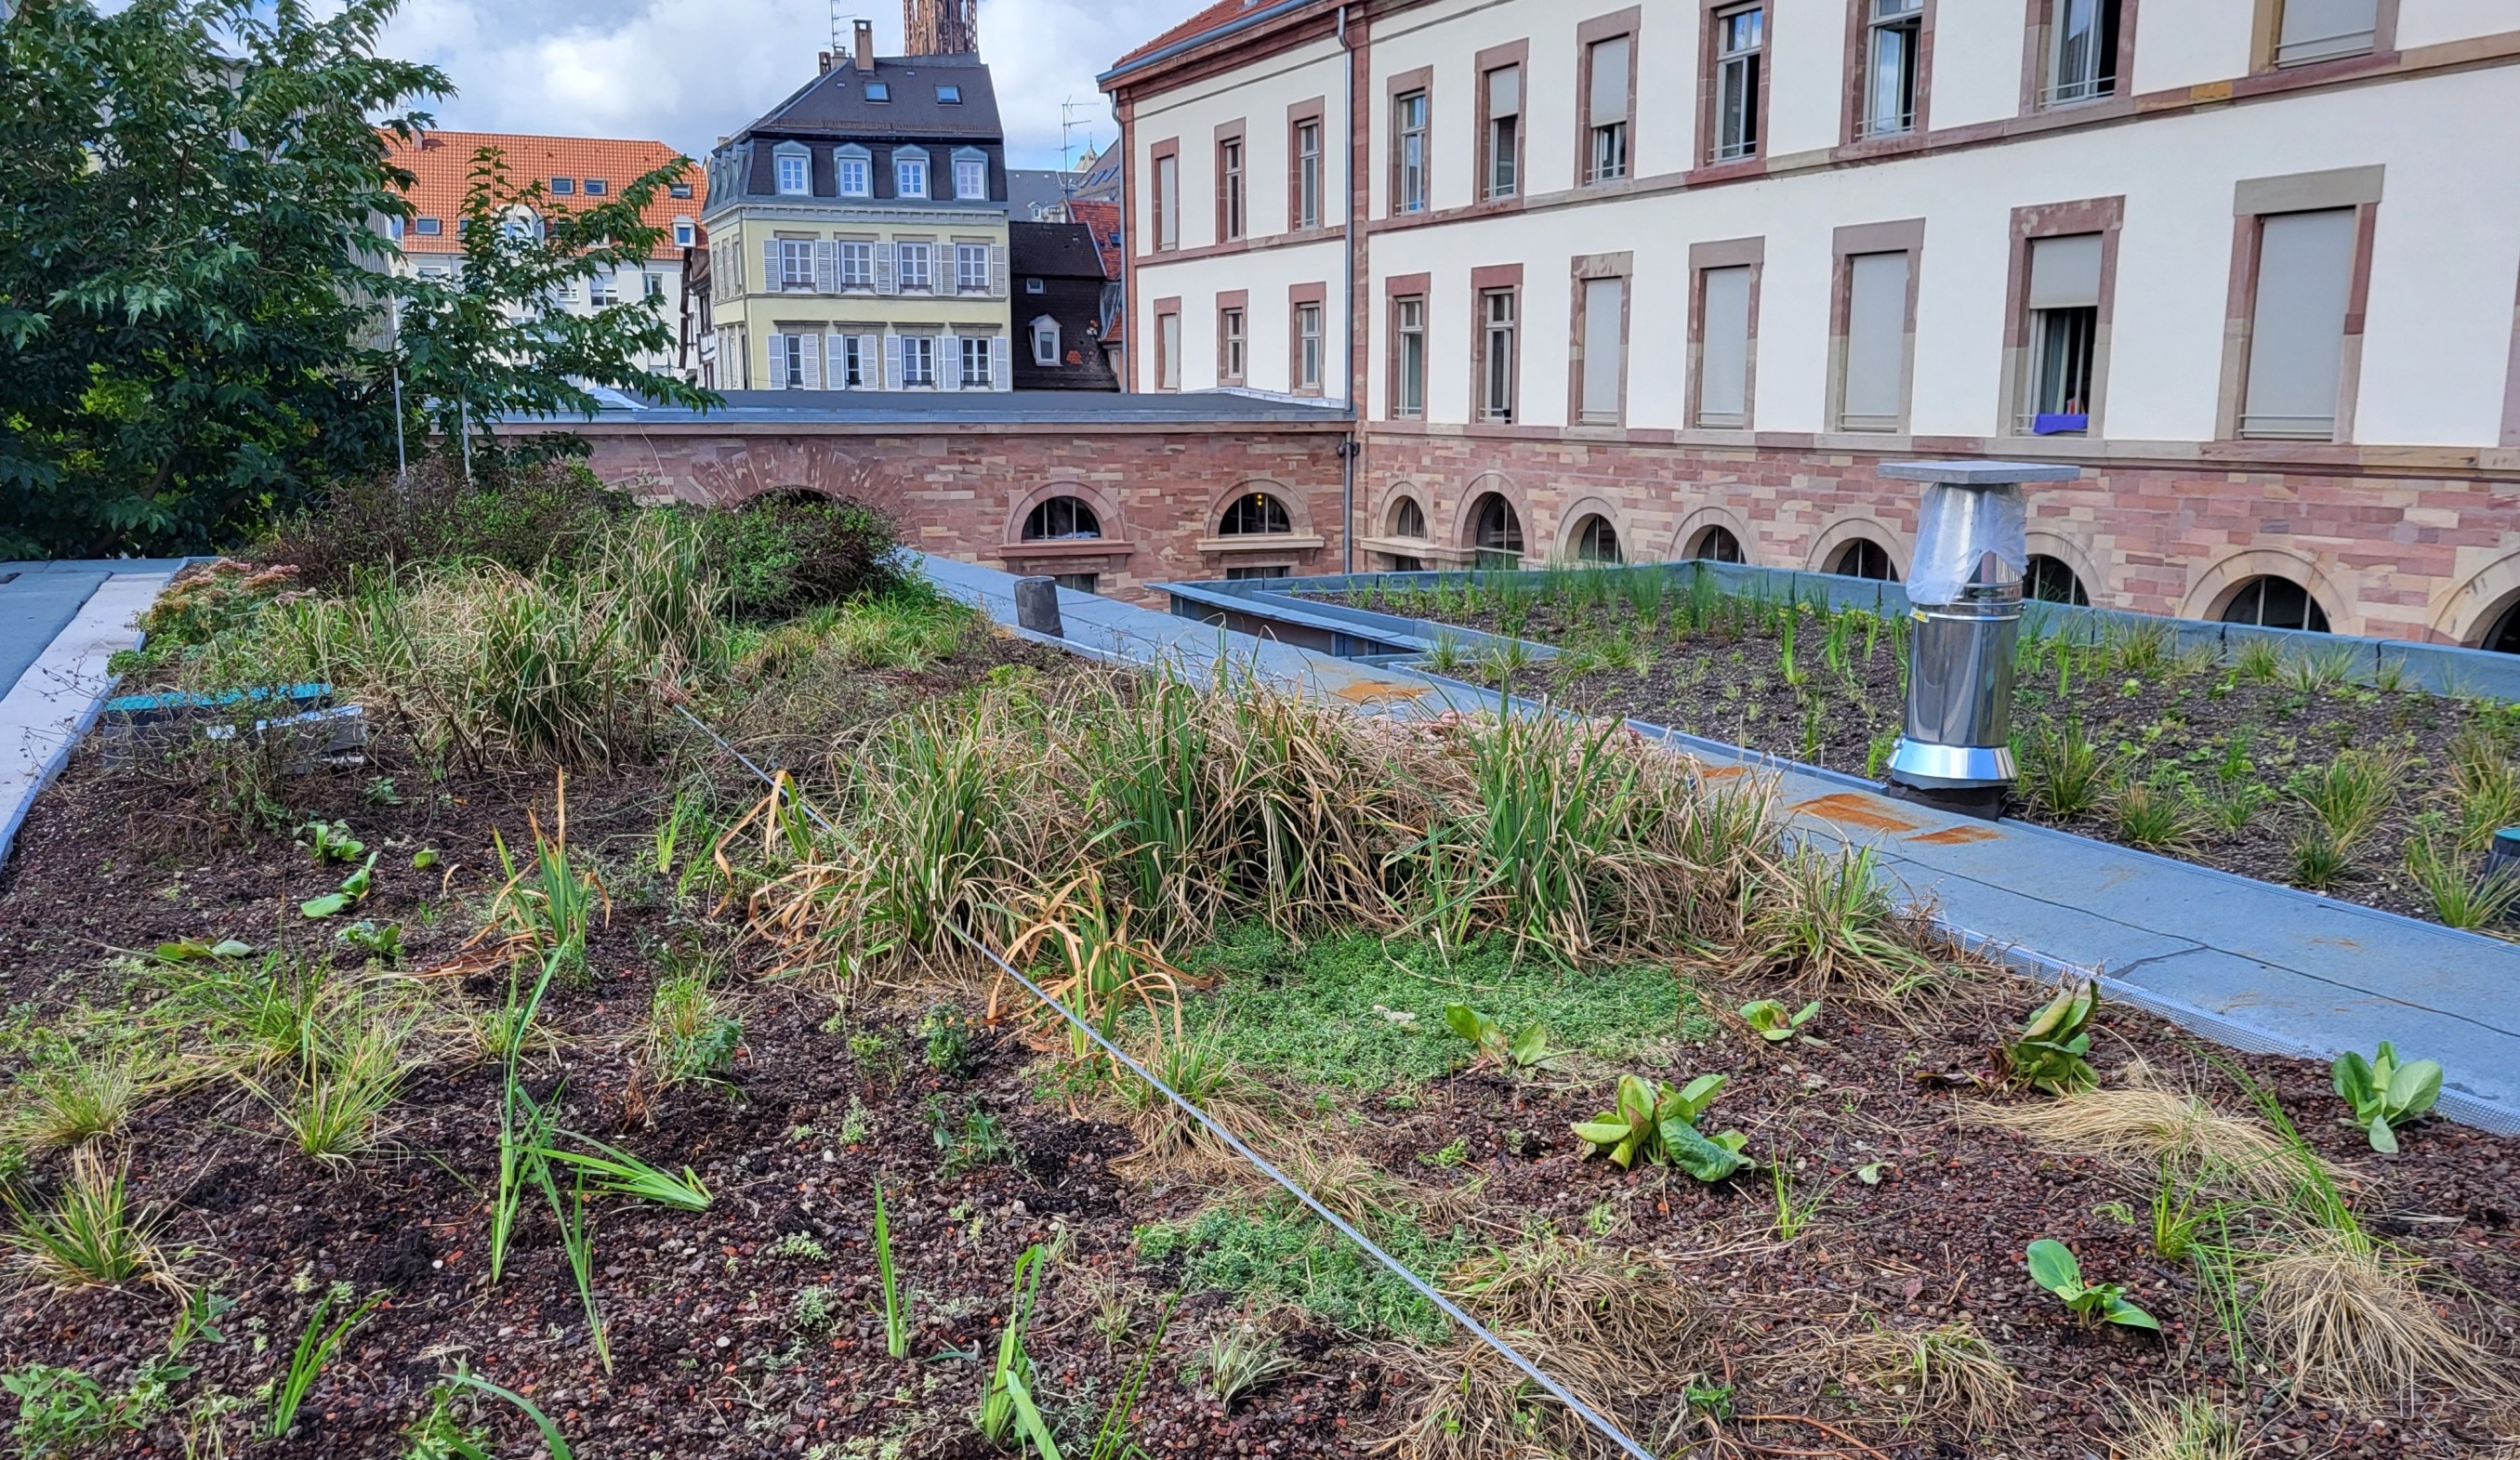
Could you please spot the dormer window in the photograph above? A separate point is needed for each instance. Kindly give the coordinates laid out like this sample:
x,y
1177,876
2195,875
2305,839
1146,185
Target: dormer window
x,y
878,91
910,174
855,169
972,176
795,171
684,233
951,96
427,228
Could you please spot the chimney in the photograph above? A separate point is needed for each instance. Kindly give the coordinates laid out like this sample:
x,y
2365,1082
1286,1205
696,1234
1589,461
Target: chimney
x,y
865,36
822,62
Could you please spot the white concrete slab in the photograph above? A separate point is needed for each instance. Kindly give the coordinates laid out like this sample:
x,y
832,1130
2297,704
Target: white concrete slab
x,y
58,696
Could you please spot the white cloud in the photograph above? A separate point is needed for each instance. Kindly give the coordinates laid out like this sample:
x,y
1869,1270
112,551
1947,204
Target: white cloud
x,y
688,71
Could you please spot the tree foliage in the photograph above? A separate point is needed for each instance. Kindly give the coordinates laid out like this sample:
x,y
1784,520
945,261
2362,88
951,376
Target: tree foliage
x,y
196,288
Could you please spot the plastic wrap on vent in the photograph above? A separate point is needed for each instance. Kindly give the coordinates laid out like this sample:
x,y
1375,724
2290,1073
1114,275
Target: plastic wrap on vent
x,y
1957,528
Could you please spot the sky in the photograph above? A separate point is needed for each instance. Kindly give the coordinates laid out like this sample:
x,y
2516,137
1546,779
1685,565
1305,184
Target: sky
x,y
686,72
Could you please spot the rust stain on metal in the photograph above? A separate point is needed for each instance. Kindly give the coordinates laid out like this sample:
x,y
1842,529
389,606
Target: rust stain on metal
x,y
1855,809
1721,772
1957,836
1369,692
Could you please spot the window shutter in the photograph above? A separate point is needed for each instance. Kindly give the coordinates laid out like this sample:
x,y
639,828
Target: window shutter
x,y
835,362
1505,91
809,363
883,283
826,266
949,362
1001,353
2297,337
778,362
892,362
1609,93
2318,28
1876,326
998,270
770,266
1723,359
2065,272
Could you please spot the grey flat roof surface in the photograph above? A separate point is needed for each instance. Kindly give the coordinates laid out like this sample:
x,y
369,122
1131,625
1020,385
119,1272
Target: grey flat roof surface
x,y
37,601
986,407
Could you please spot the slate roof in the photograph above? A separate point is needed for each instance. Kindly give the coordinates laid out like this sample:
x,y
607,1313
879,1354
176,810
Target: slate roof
x,y
1052,250
441,165
834,103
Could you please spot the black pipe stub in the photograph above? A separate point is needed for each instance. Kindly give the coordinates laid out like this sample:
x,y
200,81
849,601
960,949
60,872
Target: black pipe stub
x,y
2502,853
1037,606
1985,803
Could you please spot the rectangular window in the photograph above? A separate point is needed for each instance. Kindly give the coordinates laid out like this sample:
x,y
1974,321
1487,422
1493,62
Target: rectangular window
x,y
678,190
1081,583
857,178
970,268
1605,99
1892,34
562,187
850,361
595,187
2064,332
1229,346
976,362
918,359
2322,29
1308,174
1045,343
791,361
2082,51
950,96
655,285
1228,184
1409,154
910,177
910,263
2297,324
1873,378
1496,355
1168,346
1740,43
1409,358
427,228
878,91
683,236
793,176
796,264
857,265
1503,174
1723,348
1308,347
601,294
1279,570
970,177
1605,361
1168,202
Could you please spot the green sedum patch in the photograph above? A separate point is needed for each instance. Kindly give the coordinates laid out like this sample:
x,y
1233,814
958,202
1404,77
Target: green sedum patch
x,y
1281,1251
1365,1012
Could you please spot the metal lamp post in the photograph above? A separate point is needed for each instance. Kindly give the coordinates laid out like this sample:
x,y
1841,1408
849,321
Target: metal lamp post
x,y
1965,617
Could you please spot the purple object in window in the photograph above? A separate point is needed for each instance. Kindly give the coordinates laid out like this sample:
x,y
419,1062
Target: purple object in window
x,y
2048,425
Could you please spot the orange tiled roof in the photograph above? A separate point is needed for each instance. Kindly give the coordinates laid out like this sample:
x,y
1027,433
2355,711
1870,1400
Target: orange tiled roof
x,y
1205,21
443,163
1102,220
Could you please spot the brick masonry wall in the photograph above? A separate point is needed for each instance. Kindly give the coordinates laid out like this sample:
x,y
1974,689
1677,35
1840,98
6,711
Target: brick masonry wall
x,y
2406,556
965,492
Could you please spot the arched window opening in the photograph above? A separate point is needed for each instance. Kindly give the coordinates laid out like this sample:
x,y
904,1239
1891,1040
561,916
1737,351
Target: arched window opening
x,y
1256,514
1062,519
1496,533
1596,540
2049,580
2270,602
1863,558
2505,637
1716,545
1408,519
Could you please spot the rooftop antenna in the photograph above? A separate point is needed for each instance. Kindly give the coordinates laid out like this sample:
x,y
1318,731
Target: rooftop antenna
x,y
842,20
1068,123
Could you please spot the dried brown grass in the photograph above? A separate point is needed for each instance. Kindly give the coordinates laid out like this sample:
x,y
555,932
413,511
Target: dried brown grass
x,y
1951,1373
1623,1335
2146,1122
2350,1319
2182,1427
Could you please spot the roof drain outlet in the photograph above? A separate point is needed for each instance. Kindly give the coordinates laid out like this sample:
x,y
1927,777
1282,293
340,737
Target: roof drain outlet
x,y
1037,606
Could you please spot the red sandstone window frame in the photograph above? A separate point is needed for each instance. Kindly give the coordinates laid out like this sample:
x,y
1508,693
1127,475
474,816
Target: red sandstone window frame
x,y
1233,183
1583,270
1301,114
1905,235
1396,89
2105,216
1486,281
1517,55
1163,204
2038,55
1399,290
1298,295
1703,259
1711,13
1856,75
1232,307
2253,202
1618,24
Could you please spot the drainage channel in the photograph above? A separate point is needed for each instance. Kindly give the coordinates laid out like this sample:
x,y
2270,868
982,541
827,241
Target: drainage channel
x,y
1233,1143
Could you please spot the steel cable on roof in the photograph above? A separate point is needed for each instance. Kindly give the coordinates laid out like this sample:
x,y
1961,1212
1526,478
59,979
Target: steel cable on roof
x,y
1233,1143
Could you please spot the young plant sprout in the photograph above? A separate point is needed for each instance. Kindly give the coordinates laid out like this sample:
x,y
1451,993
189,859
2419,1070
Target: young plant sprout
x,y
1658,1124
2049,1055
1525,1048
1774,1025
2386,1092
2053,1266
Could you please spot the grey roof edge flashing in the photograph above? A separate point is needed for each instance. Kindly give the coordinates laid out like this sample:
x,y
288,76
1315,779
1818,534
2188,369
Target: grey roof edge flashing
x,y
1188,43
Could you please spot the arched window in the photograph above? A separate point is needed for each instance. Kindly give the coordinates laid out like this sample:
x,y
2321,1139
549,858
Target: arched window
x,y
2051,582
1495,532
1061,518
1408,519
1255,514
2275,603
1596,540
1716,545
1863,558
2505,637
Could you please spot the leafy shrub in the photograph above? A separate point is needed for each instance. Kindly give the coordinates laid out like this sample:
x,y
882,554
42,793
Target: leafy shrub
x,y
2049,1055
1657,1122
2385,1091
526,519
777,555
2053,1266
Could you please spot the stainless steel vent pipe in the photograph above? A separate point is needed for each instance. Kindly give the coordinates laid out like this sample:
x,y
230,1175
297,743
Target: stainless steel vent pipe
x,y
1964,615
